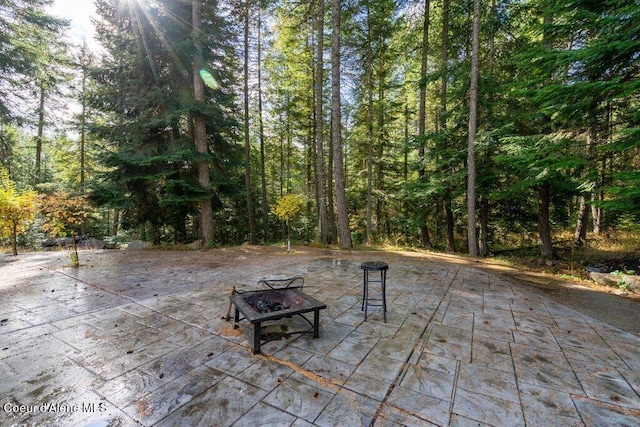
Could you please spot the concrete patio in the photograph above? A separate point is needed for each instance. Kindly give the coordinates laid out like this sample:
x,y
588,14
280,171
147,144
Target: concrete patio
x,y
137,338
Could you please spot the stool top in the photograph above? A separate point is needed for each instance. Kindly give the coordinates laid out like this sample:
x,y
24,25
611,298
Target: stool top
x,y
374,265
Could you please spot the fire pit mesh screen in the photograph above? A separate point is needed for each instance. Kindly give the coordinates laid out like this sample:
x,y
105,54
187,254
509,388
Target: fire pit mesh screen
x,y
263,306
269,302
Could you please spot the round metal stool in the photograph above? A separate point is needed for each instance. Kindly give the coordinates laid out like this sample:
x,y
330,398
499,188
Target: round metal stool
x,y
374,266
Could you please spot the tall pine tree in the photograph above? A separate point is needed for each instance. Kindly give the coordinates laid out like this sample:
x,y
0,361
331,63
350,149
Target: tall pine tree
x,y
144,89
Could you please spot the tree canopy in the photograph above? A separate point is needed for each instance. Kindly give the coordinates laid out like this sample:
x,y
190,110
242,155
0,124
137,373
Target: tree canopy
x,y
397,121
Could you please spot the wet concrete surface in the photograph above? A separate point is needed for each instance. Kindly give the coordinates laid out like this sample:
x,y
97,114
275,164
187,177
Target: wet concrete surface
x,y
138,338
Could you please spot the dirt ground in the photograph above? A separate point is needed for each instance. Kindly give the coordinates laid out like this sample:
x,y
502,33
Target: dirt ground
x,y
538,277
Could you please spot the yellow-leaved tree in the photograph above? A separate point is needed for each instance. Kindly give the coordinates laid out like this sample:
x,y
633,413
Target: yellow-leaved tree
x,y
17,209
286,208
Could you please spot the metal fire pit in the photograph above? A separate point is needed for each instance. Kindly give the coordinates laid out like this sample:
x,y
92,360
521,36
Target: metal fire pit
x,y
274,304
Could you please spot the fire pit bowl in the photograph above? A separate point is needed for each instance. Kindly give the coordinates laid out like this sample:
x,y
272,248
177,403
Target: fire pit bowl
x,y
274,304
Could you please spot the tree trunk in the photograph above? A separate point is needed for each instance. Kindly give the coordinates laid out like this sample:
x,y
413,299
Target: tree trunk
x,y
442,120
422,100
369,198
485,208
596,215
544,189
14,237
323,233
83,134
596,211
247,142
422,114
116,222
282,151
75,260
287,166
484,227
331,215
580,235
288,236
263,174
472,239
544,225
336,130
369,159
405,151
332,231
442,113
598,194
200,127
39,138
379,177
425,236
448,213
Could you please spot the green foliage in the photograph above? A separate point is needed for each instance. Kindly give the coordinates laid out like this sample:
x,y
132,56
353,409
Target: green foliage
x,y
288,80
558,111
143,92
625,194
9,136
27,32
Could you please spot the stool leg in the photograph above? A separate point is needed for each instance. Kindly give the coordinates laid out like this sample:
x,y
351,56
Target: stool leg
x,y
366,293
383,279
364,287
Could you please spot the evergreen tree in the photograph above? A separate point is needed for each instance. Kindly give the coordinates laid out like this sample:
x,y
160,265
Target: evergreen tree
x,y
556,121
321,186
336,128
370,32
473,123
595,54
26,33
144,91
289,91
567,80
247,139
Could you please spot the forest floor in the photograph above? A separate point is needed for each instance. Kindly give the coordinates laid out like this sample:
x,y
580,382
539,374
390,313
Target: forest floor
x,y
570,264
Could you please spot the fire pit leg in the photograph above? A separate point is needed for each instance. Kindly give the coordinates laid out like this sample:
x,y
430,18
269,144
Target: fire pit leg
x,y
236,318
256,338
316,323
